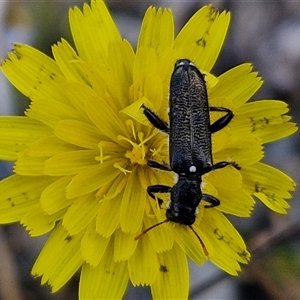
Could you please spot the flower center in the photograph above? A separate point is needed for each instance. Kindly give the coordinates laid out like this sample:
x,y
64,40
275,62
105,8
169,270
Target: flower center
x,y
138,154
140,148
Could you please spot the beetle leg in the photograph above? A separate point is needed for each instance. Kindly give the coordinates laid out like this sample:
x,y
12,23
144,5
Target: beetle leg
x,y
223,164
210,199
156,165
158,188
155,120
223,121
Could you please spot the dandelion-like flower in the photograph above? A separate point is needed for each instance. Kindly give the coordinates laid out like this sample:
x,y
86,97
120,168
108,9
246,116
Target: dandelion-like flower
x,y
82,149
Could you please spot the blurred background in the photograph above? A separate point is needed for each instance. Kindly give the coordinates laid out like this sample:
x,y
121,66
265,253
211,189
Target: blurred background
x,y
266,33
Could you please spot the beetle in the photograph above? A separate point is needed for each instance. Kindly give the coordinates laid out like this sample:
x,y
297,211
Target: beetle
x,y
190,148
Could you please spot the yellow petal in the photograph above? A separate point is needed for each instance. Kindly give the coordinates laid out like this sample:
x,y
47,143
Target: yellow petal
x,y
34,74
18,132
94,177
237,85
104,118
78,133
262,108
19,194
157,29
124,246
228,184
93,245
30,166
108,217
235,202
68,61
37,222
224,237
133,204
264,118
59,259
143,265
135,111
190,244
220,139
277,132
77,93
50,112
49,146
92,31
161,237
202,38
118,79
108,280
147,81
53,198
80,214
68,163
270,185
241,150
172,280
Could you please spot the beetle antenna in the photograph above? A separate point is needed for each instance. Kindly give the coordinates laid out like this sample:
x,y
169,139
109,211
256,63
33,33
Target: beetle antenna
x,y
149,228
200,240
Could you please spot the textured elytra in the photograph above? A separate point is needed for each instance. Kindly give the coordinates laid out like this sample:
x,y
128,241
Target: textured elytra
x,y
190,134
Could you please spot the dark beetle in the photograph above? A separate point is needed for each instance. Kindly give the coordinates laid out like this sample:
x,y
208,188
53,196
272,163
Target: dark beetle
x,y
189,143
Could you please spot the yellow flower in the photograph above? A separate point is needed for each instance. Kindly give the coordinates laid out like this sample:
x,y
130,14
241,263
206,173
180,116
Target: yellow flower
x,y
81,154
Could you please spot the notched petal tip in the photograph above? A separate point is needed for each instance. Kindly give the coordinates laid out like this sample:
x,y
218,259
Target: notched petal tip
x,y
268,184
